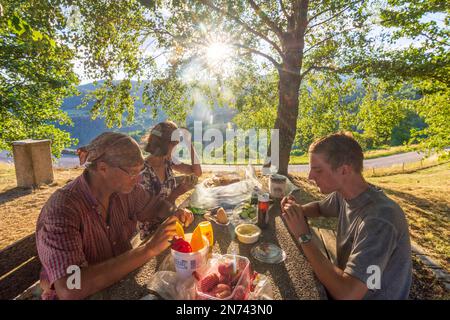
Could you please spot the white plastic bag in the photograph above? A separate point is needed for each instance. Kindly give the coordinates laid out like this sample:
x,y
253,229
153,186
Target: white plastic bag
x,y
227,196
170,287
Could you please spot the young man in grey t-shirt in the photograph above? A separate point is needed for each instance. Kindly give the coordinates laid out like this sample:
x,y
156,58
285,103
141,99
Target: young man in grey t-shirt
x,y
373,246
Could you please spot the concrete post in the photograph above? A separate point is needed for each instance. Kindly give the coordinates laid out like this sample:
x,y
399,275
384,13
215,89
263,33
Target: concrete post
x,y
33,162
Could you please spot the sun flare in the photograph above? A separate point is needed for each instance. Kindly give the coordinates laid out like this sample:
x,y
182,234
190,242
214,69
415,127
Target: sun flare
x,y
217,53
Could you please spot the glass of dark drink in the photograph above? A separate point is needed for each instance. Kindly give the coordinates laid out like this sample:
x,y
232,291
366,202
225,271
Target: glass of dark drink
x,y
263,210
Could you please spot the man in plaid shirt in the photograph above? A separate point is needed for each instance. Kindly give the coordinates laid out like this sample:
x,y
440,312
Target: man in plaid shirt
x,y
89,223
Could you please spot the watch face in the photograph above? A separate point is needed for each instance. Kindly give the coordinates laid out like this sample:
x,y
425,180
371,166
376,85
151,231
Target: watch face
x,y
305,238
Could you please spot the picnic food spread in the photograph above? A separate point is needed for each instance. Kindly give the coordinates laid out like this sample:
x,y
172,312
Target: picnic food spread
x,y
179,229
219,277
195,210
197,240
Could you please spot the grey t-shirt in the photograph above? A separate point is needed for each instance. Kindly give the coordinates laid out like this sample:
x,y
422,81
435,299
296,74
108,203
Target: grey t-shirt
x,y
372,235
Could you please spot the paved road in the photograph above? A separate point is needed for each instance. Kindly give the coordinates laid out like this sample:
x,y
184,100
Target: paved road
x,y
383,162
70,161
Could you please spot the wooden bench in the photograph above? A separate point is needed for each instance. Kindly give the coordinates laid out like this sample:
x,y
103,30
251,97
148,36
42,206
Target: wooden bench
x,y
325,240
19,268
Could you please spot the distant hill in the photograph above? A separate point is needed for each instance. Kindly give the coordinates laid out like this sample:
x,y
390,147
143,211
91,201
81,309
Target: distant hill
x,y
85,129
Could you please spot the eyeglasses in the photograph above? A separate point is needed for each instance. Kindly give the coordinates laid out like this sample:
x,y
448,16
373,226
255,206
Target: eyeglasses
x,y
132,176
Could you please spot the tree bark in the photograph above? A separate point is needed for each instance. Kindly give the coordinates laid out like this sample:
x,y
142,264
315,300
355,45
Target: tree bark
x,y
293,42
286,122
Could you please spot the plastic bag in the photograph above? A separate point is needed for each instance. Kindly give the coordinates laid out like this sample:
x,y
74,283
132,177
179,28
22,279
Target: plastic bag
x,y
227,196
170,287
261,288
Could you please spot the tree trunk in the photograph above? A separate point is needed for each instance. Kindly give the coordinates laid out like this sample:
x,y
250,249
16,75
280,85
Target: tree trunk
x,y
288,92
286,121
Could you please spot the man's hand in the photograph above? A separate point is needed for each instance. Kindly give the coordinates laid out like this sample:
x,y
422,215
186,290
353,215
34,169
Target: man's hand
x,y
287,200
294,218
165,232
185,216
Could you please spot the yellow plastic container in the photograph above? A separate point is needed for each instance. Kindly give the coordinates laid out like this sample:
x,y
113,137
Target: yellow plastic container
x,y
207,230
203,229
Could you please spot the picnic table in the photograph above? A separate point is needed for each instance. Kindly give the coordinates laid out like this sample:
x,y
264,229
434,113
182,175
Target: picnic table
x,y
291,279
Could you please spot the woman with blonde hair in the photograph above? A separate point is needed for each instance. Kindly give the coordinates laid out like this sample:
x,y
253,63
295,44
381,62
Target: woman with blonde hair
x,y
158,177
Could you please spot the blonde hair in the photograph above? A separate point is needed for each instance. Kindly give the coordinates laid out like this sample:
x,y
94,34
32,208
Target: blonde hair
x,y
160,138
339,149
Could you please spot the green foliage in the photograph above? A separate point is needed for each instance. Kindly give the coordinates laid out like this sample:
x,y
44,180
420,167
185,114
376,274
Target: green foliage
x,y
257,101
435,110
112,100
35,75
261,39
380,112
425,63
107,37
325,108
170,93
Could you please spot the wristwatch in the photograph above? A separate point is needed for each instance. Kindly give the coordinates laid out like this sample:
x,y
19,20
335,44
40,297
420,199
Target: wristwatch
x,y
305,238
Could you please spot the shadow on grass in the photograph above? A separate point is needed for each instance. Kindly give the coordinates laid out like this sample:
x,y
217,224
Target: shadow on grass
x,y
436,207
14,193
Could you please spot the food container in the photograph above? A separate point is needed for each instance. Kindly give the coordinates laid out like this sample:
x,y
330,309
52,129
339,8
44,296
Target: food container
x,y
247,233
245,213
187,263
277,186
242,282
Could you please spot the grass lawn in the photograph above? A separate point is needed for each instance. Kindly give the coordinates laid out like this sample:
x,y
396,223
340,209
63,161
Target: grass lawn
x,y
424,196
19,207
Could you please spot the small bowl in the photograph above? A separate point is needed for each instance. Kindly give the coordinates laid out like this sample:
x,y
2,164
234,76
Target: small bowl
x,y
247,233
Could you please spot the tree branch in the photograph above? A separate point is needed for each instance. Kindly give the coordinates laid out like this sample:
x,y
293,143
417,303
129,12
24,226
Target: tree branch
x,y
434,39
326,39
326,20
272,25
244,25
262,54
329,9
303,74
283,9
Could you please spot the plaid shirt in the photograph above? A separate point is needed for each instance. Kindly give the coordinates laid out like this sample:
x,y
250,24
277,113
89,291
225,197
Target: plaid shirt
x,y
71,230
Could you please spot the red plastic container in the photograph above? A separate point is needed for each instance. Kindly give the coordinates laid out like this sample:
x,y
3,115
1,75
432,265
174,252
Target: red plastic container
x,y
241,289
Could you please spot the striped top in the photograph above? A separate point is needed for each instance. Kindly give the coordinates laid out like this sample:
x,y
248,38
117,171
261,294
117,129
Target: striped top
x,y
71,230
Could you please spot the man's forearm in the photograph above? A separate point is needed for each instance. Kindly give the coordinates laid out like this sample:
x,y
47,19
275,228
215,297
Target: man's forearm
x,y
329,275
311,210
100,276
